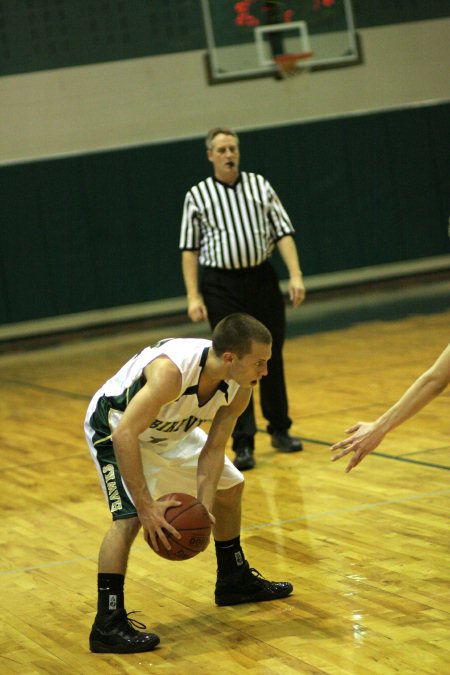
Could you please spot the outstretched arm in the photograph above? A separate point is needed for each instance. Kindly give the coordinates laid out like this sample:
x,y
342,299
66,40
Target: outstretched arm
x,y
366,436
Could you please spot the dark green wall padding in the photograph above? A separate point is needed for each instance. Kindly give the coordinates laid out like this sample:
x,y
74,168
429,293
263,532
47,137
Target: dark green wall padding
x,y
101,230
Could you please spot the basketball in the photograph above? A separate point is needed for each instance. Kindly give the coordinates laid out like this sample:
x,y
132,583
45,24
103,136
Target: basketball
x,y
191,520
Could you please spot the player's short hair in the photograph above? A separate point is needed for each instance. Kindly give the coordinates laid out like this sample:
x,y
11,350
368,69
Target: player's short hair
x,y
236,332
212,133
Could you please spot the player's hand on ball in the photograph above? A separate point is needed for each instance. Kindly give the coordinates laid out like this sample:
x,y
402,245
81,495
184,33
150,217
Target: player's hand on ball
x,y
156,526
192,521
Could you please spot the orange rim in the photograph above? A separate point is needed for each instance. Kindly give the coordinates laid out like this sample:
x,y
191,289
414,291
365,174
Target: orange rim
x,y
284,59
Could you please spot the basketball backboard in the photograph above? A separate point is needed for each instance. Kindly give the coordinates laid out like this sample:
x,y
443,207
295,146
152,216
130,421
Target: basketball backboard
x,y
243,37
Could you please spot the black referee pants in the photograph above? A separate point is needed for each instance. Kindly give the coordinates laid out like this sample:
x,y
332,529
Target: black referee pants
x,y
255,291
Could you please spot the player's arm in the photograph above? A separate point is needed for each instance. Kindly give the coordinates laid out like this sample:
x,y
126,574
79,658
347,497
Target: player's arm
x,y
212,457
196,307
163,385
288,251
366,436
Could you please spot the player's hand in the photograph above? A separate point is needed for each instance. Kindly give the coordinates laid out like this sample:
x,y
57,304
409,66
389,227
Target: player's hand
x,y
364,439
197,310
296,290
155,525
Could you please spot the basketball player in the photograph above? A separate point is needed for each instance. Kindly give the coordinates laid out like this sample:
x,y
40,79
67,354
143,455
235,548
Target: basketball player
x,y
143,431
366,436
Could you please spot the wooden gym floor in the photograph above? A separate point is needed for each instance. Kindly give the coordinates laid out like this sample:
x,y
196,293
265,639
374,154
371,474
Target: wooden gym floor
x,y
367,552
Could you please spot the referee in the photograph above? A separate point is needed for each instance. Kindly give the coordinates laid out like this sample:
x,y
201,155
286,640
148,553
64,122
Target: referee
x,y
231,224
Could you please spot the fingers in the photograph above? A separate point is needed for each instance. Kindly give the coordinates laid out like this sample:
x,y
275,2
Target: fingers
x,y
296,296
345,443
156,538
198,314
340,444
167,527
354,428
195,315
151,540
170,502
157,529
349,466
159,536
363,440
340,454
355,460
358,455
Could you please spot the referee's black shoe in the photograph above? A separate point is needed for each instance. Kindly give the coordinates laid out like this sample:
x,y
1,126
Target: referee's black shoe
x,y
116,634
284,442
244,459
247,585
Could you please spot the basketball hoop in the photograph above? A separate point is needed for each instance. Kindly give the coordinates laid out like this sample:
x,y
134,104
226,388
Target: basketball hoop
x,y
287,63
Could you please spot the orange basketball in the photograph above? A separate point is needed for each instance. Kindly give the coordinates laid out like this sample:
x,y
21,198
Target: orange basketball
x,y
191,520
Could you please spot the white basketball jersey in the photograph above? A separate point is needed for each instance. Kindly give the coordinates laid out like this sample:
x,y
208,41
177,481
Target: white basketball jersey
x,y
175,419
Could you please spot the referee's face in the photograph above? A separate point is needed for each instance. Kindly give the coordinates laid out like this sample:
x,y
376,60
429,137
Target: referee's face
x,y
224,155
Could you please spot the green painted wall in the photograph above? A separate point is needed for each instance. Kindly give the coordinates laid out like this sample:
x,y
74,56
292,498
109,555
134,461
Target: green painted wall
x,y
101,230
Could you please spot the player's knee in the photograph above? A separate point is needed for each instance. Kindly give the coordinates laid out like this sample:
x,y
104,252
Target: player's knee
x,y
127,528
231,496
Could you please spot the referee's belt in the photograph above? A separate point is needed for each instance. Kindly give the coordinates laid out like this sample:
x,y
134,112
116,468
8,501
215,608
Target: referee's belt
x,y
240,271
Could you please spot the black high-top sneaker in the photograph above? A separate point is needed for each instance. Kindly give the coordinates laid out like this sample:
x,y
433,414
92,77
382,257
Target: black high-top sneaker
x,y
116,634
247,585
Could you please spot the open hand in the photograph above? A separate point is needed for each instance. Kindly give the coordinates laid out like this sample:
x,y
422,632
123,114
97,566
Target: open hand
x,y
364,439
156,526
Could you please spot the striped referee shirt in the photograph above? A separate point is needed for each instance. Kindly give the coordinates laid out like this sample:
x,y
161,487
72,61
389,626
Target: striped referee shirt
x,y
233,227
